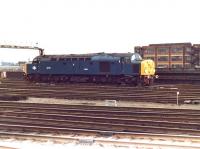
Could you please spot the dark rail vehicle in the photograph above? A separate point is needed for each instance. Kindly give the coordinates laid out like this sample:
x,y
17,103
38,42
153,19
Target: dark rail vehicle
x,y
128,68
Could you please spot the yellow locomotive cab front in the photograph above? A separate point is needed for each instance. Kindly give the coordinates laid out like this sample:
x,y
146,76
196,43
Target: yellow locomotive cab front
x,y
147,68
147,71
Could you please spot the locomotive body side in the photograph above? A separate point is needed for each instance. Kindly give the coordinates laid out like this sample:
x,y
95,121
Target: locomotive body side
x,y
112,68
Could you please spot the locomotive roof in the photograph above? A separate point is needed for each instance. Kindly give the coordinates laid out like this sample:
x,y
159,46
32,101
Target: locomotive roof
x,y
86,55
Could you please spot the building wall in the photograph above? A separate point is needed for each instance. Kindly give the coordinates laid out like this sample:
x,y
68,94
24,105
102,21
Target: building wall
x,y
172,55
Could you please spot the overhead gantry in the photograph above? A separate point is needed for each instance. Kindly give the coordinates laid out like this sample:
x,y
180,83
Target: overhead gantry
x,y
41,51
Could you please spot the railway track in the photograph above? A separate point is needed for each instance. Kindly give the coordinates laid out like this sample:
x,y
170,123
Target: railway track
x,y
66,122
157,93
33,120
178,77
45,118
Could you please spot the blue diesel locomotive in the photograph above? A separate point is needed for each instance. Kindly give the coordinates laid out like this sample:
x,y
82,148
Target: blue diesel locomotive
x,y
128,68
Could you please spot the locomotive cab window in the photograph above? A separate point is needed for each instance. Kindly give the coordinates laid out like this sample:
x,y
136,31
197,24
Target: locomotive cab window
x,y
136,57
35,61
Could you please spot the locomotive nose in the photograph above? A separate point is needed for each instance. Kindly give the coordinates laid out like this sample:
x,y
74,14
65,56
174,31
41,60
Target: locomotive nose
x,y
151,67
147,68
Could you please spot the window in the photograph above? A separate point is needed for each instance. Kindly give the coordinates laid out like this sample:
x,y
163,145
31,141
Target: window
x,y
176,50
176,58
163,58
162,66
149,51
135,57
187,50
177,66
187,65
163,51
187,59
35,61
152,58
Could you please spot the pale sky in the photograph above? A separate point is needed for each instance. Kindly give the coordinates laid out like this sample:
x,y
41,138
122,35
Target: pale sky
x,y
88,26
